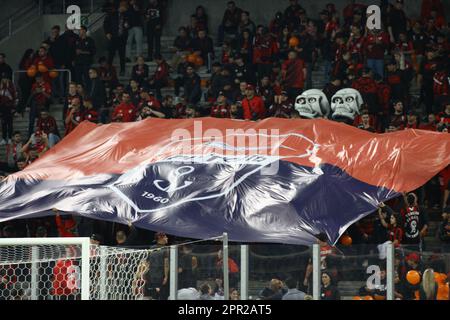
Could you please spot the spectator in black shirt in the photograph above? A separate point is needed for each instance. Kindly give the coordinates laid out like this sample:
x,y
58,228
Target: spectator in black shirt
x,y
230,23
85,52
96,90
397,21
4,67
58,51
153,17
203,46
201,18
415,223
191,84
116,25
181,46
140,71
247,24
328,290
291,14
136,30
444,230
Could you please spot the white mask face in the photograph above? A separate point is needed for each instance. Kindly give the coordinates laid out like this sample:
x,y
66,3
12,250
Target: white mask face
x,y
346,103
312,104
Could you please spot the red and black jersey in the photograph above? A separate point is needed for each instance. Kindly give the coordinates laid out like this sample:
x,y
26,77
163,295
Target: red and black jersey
x,y
220,111
398,121
162,72
395,233
152,102
91,115
384,96
441,82
180,111
77,116
281,110
47,125
265,49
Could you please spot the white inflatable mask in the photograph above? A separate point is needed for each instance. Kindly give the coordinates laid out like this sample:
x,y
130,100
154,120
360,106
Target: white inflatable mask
x,y
312,104
346,103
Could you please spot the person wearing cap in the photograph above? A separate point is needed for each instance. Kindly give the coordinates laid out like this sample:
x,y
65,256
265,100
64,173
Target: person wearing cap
x,y
253,105
157,276
36,146
281,108
220,109
294,75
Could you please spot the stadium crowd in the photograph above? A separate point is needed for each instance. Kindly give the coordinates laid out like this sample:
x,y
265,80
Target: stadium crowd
x,y
259,73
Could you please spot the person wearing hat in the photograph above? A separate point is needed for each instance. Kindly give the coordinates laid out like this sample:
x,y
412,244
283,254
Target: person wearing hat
x,y
253,105
220,109
282,107
157,276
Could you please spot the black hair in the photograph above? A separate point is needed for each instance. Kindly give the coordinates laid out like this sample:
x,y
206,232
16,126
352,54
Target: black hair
x,y
291,283
411,199
57,27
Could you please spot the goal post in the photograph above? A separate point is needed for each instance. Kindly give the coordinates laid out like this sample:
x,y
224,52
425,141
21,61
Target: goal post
x,y
25,255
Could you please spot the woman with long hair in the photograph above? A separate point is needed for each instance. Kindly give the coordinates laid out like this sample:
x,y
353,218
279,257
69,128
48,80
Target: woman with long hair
x,y
428,288
329,291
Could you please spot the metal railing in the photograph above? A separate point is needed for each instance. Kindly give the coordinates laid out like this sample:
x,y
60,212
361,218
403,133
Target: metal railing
x,y
69,73
19,19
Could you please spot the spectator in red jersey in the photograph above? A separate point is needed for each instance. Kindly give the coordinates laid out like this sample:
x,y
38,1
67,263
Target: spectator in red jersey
x,y
38,143
69,97
161,77
265,49
66,225
220,109
294,75
394,229
90,114
355,44
431,124
368,88
376,43
441,89
44,59
74,115
41,93
66,275
125,111
148,99
444,117
47,124
253,105
398,116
